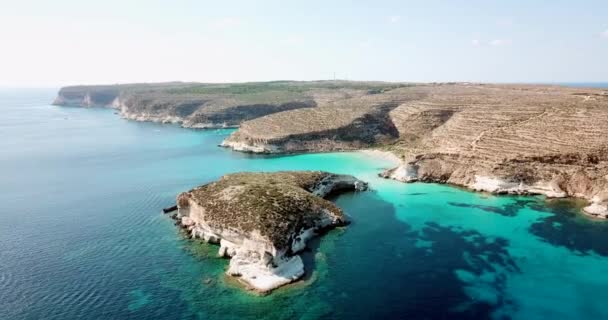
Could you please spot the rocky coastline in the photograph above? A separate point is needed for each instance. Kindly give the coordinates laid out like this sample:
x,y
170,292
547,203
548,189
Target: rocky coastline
x,y
574,181
191,105
504,139
491,138
263,220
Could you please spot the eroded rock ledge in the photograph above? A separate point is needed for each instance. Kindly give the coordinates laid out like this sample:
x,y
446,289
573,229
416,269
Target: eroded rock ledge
x,y
208,105
516,139
579,175
262,220
499,138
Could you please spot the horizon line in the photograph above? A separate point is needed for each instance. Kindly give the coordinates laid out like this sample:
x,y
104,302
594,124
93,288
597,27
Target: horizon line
x,y
8,86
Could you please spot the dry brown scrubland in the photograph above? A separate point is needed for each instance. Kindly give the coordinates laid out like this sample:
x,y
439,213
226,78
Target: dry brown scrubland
x,y
263,220
500,138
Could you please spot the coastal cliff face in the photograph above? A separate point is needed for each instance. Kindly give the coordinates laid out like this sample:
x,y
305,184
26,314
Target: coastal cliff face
x,y
262,220
83,96
580,175
524,139
513,139
196,105
508,139
351,121
199,111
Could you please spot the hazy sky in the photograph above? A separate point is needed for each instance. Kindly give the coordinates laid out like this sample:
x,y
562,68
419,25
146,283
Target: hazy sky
x,y
51,43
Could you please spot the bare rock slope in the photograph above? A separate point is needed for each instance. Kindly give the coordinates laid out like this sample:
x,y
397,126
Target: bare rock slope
x,y
262,220
521,139
199,105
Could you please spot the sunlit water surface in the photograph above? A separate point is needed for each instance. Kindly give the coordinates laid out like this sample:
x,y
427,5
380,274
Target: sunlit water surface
x,y
82,236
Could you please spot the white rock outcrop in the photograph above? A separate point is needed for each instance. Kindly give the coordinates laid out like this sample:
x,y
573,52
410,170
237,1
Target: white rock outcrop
x,y
260,261
502,186
598,201
598,207
250,147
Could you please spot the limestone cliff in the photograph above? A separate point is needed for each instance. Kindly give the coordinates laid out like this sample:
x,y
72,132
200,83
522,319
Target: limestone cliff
x,y
198,105
262,220
499,138
83,96
340,122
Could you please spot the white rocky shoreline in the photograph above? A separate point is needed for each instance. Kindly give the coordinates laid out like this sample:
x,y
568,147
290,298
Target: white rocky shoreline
x,y
597,204
256,261
405,172
597,201
173,120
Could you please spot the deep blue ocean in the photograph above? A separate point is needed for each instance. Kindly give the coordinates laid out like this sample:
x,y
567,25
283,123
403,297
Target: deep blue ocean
x,y
82,235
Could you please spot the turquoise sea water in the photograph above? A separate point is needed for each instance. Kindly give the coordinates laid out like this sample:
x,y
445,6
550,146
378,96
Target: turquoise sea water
x,y
82,236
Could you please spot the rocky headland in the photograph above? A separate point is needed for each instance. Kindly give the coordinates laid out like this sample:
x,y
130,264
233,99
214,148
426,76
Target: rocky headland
x,y
199,105
512,139
263,220
504,139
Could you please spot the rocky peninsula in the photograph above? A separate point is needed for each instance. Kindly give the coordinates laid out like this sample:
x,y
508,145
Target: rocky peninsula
x,y
516,139
199,105
263,220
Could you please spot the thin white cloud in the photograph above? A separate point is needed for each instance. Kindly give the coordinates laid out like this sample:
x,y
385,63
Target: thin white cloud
x,y
499,42
604,34
475,42
394,19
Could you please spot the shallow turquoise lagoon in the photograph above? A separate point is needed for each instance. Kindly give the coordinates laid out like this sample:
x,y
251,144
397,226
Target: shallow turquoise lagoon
x,y
82,236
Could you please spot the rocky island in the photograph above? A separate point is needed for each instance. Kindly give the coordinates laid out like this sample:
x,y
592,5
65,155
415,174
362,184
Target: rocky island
x,y
262,220
516,139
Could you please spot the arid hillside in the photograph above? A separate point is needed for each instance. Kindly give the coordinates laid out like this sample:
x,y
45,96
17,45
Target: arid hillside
x,y
200,105
263,220
520,139
500,138
443,118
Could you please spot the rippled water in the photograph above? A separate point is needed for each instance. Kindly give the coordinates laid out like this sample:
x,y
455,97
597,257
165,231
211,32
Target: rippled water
x,y
82,237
